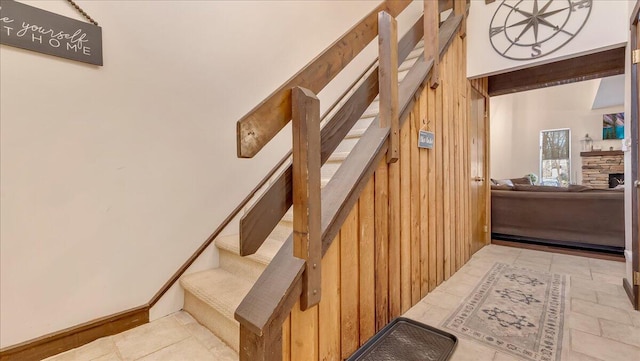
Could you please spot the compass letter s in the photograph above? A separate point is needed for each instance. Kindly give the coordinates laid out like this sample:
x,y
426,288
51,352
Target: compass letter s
x,y
536,50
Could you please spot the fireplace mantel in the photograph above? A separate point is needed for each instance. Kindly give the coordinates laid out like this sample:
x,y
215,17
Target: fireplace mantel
x,y
600,153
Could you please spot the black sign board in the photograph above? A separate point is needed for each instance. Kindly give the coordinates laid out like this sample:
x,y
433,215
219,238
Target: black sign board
x,y
30,28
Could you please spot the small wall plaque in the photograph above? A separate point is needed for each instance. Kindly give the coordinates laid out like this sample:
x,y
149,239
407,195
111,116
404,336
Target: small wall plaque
x,y
426,139
30,28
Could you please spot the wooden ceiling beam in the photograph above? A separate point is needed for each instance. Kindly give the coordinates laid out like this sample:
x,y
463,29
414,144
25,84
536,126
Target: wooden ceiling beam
x,y
586,67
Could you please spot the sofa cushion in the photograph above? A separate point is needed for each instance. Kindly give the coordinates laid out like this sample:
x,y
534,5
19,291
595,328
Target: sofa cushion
x,y
523,180
501,187
532,188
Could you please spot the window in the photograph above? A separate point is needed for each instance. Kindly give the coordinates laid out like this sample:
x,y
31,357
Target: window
x,y
555,161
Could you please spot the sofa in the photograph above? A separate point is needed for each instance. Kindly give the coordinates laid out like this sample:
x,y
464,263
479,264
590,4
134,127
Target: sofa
x,y
576,217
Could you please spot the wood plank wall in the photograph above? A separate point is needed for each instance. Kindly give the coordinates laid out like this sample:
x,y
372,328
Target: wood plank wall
x,y
433,242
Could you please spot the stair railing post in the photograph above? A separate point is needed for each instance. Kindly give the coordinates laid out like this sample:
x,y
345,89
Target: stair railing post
x,y
265,347
307,233
431,46
388,81
460,8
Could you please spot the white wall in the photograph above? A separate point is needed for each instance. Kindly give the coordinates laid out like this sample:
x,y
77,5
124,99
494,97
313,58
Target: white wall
x,y
112,176
517,119
607,27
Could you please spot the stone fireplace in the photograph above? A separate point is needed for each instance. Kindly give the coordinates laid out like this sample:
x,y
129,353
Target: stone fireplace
x,y
597,166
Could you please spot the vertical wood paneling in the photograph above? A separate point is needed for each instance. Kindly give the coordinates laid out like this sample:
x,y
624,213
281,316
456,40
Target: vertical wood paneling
x,y
382,245
430,204
439,199
286,339
405,215
367,263
349,283
419,251
304,333
447,163
410,230
394,240
329,336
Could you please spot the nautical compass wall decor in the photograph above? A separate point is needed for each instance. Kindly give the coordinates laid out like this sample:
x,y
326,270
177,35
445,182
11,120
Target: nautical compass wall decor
x,y
530,29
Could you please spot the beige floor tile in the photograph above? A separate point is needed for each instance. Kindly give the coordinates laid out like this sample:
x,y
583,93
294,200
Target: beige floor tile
x,y
607,278
617,301
536,258
457,288
565,259
572,270
608,267
149,338
443,299
603,348
188,349
597,286
469,350
603,312
576,356
100,347
464,278
184,318
623,333
536,254
584,323
430,315
583,294
110,357
635,318
208,340
532,265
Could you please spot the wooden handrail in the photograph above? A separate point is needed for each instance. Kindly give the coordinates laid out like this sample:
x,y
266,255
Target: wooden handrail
x,y
278,288
264,121
263,216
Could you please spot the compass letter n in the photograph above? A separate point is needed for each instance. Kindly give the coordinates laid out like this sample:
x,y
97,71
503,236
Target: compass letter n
x,y
580,4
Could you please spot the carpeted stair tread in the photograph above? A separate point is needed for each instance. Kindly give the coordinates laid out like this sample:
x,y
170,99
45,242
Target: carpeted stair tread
x,y
221,290
264,255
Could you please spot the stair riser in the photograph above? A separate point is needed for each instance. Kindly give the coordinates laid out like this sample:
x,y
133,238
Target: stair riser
x,y
242,266
227,330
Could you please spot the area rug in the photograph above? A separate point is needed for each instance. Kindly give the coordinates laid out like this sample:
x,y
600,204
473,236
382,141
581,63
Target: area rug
x,y
515,310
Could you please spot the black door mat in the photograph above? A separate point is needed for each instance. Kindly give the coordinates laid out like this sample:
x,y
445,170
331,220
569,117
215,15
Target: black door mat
x,y
407,340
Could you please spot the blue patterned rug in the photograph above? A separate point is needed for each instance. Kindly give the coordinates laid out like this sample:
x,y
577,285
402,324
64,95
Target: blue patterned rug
x,y
515,310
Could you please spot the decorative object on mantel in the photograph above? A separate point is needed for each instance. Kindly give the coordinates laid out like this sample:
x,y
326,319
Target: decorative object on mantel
x,y
34,29
613,126
587,143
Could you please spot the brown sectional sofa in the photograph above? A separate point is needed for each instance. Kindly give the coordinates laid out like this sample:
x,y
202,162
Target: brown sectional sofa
x,y
578,217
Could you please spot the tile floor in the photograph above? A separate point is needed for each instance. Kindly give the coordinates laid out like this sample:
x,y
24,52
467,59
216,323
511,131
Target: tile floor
x,y
602,325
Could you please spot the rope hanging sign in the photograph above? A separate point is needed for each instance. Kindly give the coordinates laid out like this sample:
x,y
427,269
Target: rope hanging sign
x,y
30,28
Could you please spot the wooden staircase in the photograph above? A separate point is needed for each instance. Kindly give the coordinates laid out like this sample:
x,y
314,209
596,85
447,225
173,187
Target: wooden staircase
x,y
212,296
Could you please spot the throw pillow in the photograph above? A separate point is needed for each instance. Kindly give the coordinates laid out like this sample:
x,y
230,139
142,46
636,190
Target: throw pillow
x,y
504,182
523,180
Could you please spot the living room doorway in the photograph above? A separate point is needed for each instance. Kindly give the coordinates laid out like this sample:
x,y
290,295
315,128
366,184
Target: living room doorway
x,y
597,65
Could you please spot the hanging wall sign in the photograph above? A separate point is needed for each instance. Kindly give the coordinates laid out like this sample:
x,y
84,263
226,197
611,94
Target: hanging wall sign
x,y
426,139
30,28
